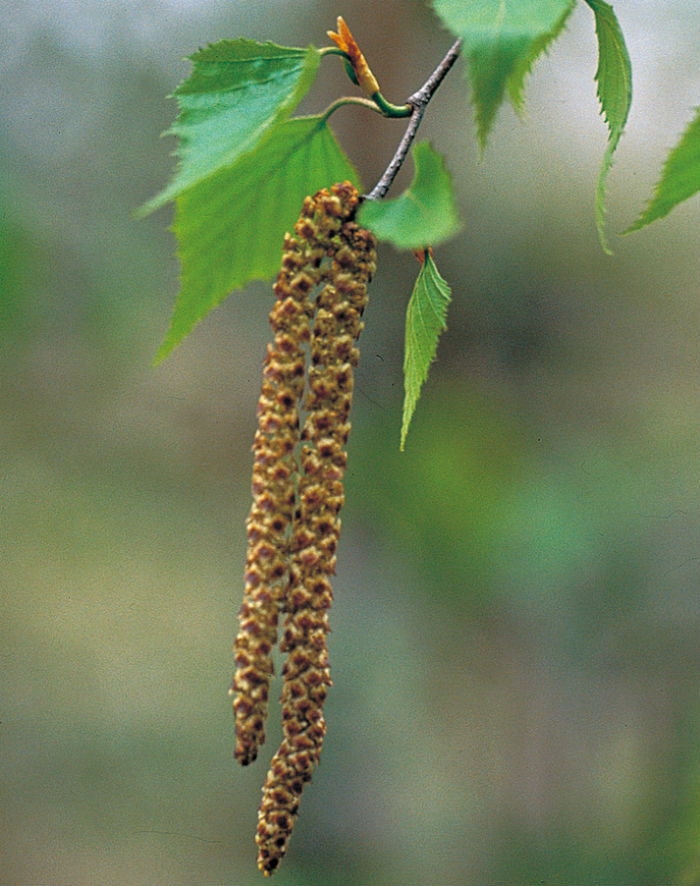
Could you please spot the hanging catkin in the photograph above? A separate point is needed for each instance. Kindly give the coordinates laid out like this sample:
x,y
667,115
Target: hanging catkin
x,y
275,473
316,528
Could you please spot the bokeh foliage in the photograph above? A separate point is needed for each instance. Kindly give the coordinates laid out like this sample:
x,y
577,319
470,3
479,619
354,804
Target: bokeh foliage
x,y
515,627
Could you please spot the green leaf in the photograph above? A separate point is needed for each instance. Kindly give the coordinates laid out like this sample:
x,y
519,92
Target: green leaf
x,y
501,40
424,214
237,92
614,78
680,177
425,320
230,227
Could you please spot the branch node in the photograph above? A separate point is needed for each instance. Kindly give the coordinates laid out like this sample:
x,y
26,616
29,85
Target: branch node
x,y
419,101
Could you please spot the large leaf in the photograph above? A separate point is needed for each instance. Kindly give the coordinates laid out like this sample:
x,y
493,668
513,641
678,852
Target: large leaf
x,y
237,92
230,227
424,214
614,78
680,177
425,320
501,39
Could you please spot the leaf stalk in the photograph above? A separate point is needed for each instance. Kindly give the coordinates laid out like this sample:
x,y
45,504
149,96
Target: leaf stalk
x,y
390,110
351,100
376,100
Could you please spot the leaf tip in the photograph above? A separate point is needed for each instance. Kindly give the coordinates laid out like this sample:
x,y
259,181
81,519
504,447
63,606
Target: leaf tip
x,y
146,209
603,238
163,351
405,424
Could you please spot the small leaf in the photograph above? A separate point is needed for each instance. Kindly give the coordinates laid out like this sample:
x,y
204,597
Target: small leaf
x,y
680,177
501,41
424,214
614,78
230,227
237,92
425,320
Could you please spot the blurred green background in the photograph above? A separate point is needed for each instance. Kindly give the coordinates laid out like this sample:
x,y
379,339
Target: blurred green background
x,y
516,620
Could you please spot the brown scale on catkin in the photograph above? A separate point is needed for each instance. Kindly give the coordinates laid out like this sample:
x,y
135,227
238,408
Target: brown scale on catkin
x,y
275,472
316,529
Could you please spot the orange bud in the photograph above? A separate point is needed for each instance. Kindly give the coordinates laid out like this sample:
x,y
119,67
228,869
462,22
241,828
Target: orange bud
x,y
345,41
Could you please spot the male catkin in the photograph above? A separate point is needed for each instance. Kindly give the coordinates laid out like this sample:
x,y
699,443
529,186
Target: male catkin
x,y
275,467
294,523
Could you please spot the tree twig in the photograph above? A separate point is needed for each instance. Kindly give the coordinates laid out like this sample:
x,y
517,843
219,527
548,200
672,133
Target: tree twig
x,y
419,100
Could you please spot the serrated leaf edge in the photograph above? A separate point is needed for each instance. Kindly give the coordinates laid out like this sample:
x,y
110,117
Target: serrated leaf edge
x,y
173,339
515,82
418,152
312,59
601,9
428,270
651,213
